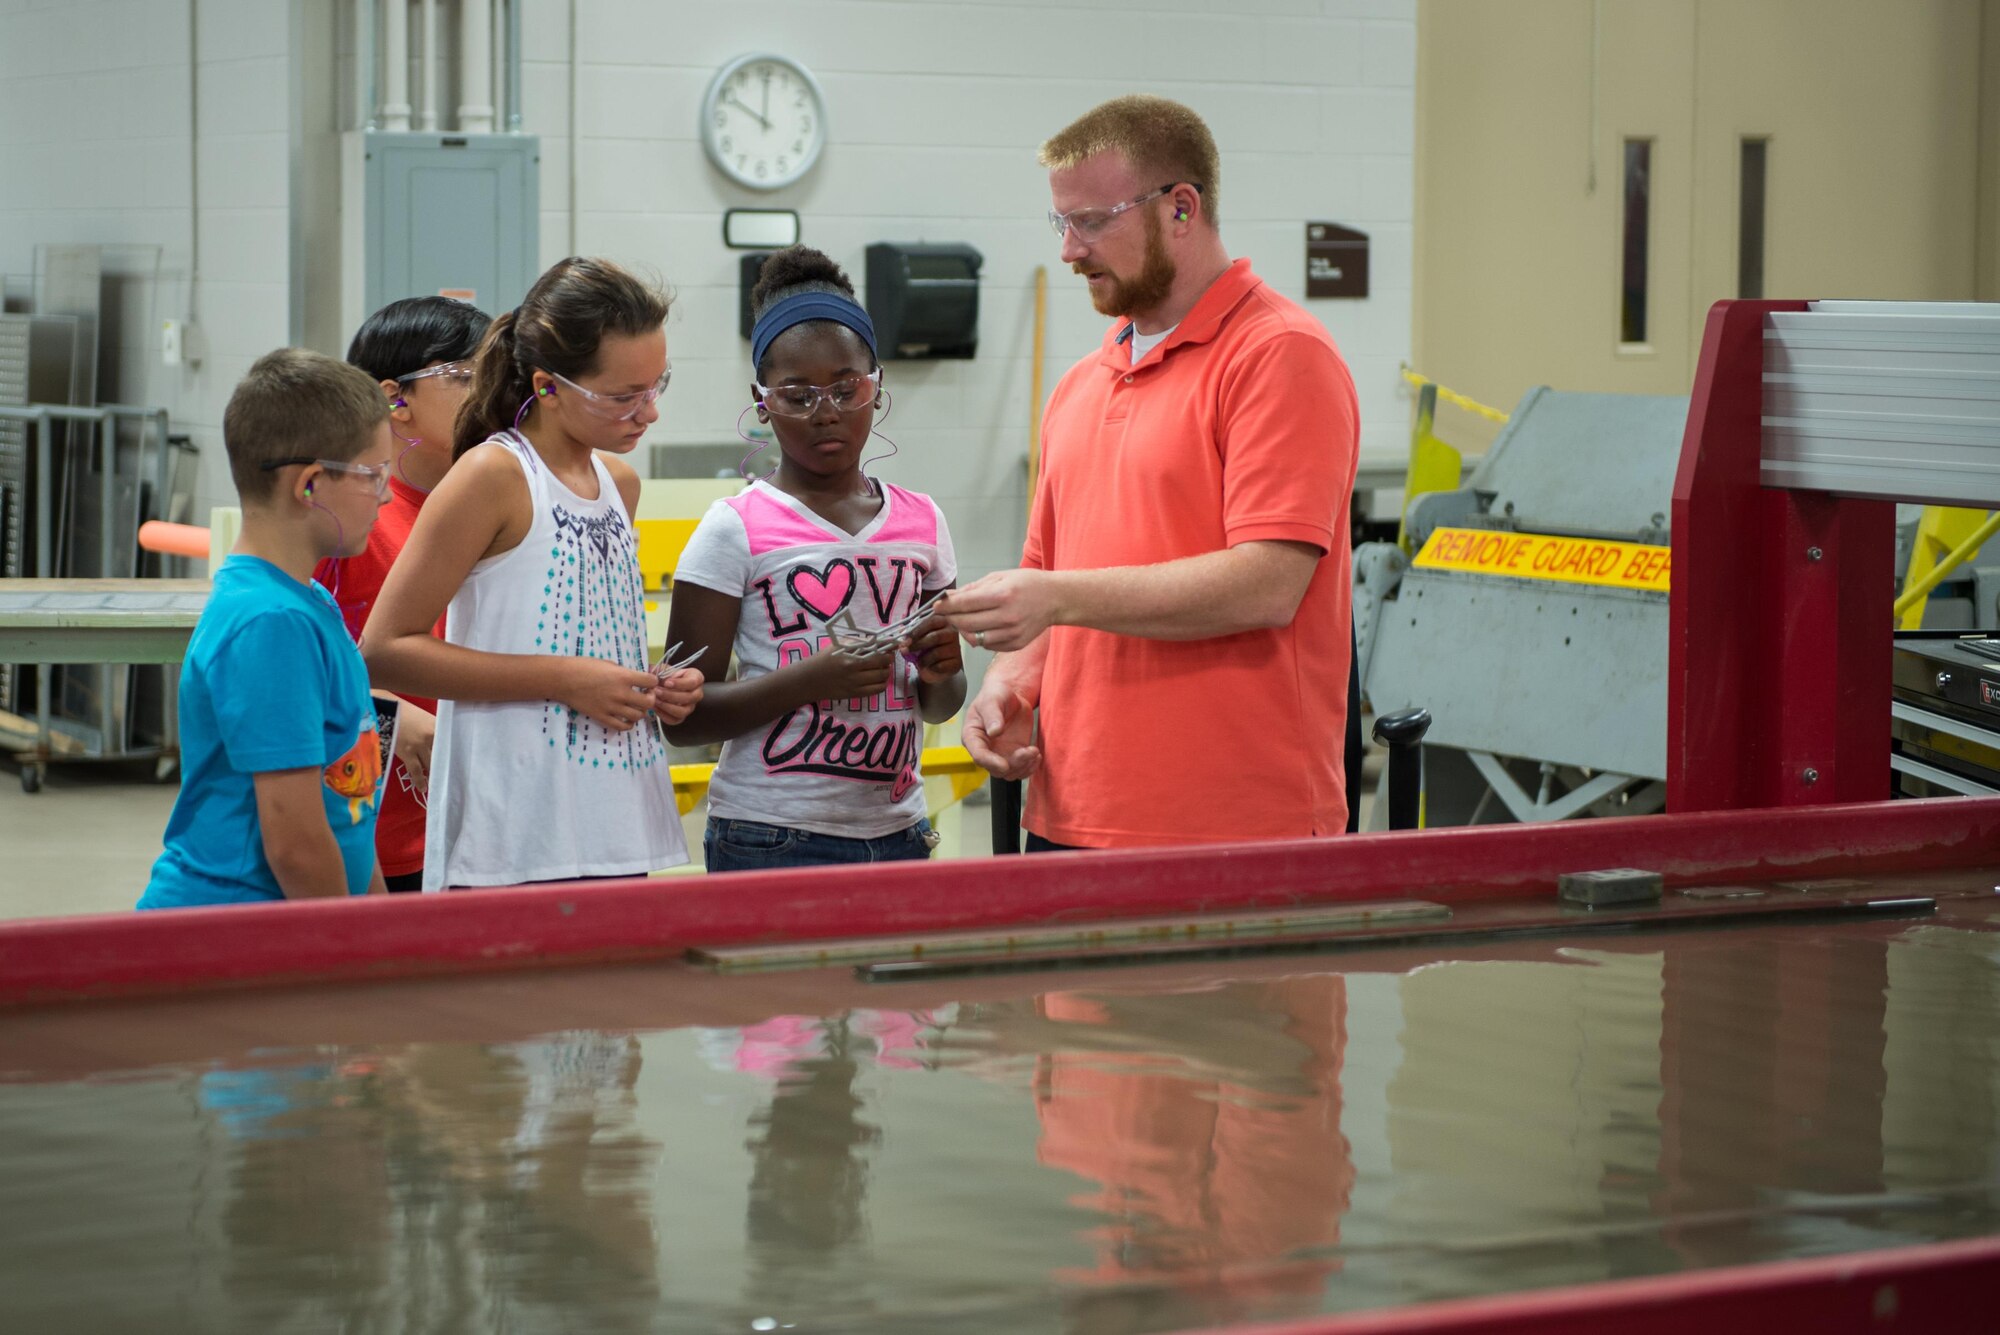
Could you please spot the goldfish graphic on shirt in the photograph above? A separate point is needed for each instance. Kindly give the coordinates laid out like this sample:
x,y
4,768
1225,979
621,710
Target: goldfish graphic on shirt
x,y
357,775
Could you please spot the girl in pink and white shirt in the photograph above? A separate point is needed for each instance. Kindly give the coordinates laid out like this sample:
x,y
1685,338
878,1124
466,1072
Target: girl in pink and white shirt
x,y
822,747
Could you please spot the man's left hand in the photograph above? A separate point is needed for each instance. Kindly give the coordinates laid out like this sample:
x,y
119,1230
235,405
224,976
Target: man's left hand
x,y
1003,611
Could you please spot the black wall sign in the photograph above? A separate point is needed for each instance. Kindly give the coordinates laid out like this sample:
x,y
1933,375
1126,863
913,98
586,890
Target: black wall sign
x,y
1336,261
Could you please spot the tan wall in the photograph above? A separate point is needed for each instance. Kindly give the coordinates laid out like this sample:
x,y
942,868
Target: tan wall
x,y
1987,238
1874,184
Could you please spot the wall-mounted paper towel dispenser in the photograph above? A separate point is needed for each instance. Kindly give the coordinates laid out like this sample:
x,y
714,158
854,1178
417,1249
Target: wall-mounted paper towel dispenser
x,y
924,298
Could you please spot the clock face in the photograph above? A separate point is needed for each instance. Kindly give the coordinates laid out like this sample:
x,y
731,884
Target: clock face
x,y
763,121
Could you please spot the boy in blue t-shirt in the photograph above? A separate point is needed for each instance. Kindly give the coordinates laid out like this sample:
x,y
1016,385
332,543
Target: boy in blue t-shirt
x,y
281,765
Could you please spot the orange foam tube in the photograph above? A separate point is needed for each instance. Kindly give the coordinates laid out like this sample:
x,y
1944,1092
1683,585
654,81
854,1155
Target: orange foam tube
x,y
157,535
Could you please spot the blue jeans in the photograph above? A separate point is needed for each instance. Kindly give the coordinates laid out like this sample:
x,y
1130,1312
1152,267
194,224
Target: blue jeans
x,y
748,845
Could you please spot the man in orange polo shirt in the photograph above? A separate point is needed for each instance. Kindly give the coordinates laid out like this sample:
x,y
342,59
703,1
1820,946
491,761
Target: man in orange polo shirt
x,y
1180,620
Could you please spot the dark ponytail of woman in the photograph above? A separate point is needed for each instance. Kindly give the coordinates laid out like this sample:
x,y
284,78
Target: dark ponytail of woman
x,y
496,391
558,327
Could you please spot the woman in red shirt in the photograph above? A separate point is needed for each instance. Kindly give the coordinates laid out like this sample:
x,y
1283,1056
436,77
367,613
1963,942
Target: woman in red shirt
x,y
420,350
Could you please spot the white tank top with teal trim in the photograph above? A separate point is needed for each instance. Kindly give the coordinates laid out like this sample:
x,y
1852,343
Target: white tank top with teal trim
x,y
531,790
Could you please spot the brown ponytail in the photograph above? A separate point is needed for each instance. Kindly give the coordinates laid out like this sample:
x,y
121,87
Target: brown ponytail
x,y
558,327
496,391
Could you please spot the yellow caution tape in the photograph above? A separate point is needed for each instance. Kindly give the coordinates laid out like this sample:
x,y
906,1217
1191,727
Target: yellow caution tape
x,y
1455,398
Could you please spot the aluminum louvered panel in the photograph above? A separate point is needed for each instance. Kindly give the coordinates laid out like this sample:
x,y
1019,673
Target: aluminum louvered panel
x,y
1897,400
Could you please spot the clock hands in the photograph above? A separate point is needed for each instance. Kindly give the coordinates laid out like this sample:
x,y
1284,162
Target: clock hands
x,y
745,109
781,150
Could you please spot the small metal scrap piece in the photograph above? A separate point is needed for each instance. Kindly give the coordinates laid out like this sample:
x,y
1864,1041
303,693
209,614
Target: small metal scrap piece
x,y
1723,892
665,668
1612,885
851,640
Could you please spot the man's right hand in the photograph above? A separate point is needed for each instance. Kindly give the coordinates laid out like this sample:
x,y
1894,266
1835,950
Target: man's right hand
x,y
999,733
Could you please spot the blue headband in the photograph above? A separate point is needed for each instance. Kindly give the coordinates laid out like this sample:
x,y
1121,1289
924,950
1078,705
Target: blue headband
x,y
782,315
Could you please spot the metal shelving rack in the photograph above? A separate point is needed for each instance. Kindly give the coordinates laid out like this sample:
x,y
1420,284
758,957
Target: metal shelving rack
x,y
91,487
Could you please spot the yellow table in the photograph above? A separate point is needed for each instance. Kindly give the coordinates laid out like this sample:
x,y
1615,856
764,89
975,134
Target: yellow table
x,y
954,763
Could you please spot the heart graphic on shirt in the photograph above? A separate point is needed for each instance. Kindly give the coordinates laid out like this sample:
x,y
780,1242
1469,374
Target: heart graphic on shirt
x,y
822,592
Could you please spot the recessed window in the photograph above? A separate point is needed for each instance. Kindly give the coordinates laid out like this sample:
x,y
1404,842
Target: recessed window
x,y
1750,219
1638,239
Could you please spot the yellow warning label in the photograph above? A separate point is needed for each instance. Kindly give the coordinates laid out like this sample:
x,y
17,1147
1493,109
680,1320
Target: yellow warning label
x,y
1620,565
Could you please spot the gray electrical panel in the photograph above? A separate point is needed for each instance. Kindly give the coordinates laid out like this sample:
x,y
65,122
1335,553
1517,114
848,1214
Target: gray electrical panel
x,y
451,214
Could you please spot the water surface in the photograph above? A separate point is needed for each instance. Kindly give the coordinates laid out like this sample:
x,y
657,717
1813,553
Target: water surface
x,y
655,1148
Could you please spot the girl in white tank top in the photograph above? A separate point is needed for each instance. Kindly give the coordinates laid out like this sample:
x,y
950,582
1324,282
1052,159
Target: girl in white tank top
x,y
548,764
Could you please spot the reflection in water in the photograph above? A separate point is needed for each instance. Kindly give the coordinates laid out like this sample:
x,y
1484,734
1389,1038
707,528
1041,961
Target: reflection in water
x,y
1137,1151
1788,1108
806,1176
1523,1119
1941,1109
808,1179
438,1186
299,1224
805,1216
1216,1150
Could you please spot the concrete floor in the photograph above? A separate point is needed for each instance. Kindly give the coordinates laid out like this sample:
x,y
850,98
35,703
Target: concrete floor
x,y
86,842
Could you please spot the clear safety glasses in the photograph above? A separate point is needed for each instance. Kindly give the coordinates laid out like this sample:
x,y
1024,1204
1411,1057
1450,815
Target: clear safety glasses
x,y
456,374
1090,223
846,396
377,474
616,407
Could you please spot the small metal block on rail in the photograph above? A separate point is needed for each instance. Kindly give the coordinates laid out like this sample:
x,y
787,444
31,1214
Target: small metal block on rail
x,y
1613,885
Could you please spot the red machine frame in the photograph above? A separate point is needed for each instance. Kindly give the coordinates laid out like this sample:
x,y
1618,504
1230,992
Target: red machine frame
x,y
1778,699
1779,608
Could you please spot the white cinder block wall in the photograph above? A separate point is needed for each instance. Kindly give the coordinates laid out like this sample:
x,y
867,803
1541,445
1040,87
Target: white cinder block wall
x,y
94,147
934,112
934,109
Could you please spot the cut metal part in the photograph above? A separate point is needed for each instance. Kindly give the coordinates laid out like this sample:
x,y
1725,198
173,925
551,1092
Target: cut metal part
x,y
1217,928
666,668
1562,920
855,642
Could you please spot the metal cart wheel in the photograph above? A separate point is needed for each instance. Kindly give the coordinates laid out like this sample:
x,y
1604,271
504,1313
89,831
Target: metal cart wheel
x,y
31,777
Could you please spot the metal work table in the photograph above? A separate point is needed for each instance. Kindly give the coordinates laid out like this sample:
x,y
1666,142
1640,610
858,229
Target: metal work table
x,y
98,620
50,621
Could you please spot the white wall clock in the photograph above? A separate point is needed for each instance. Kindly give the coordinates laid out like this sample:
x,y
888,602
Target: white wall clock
x,y
763,121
